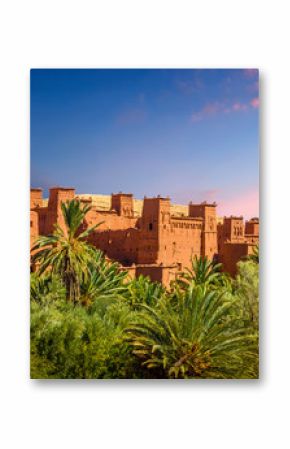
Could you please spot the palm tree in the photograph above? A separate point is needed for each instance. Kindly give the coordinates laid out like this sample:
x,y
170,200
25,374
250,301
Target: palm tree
x,y
203,272
143,291
199,337
66,252
106,281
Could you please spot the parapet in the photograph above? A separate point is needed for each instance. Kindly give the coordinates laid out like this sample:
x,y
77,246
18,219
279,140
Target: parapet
x,y
155,203
235,217
204,203
121,194
157,198
61,189
253,220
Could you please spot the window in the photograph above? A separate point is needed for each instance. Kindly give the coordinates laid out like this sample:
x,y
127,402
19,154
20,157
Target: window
x,y
150,227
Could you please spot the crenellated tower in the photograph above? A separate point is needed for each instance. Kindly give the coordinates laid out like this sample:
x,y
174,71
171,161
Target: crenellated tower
x,y
122,203
154,226
207,212
57,196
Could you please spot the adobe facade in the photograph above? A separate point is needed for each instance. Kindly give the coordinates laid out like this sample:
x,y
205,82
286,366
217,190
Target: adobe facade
x,y
157,241
236,240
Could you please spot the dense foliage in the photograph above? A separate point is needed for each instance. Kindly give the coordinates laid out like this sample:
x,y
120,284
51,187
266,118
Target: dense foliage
x,y
204,326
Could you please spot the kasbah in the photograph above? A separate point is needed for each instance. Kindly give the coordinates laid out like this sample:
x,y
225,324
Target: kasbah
x,y
151,237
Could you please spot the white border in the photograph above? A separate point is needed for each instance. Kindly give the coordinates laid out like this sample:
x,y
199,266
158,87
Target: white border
x,y
144,34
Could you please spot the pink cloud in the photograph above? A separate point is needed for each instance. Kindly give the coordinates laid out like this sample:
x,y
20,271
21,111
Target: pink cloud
x,y
208,110
197,196
239,107
255,102
215,108
211,193
246,204
251,73
212,108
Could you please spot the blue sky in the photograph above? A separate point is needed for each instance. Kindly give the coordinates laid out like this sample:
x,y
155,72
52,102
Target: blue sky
x,y
189,134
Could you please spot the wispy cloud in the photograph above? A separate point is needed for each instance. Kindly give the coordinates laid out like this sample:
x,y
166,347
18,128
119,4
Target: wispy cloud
x,y
236,107
221,108
255,102
208,110
196,195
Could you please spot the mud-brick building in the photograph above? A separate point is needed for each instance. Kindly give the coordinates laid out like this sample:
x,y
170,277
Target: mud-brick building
x,y
157,239
236,241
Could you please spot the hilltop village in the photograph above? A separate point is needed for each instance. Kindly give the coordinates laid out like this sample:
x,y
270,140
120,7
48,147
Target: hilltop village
x,y
151,237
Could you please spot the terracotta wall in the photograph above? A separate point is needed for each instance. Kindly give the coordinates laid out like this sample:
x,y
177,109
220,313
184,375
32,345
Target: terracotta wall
x,y
153,223
35,198
57,195
34,229
234,252
120,245
209,246
122,203
252,227
158,273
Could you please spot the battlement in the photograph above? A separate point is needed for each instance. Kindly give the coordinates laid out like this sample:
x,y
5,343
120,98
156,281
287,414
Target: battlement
x,y
178,217
234,217
204,204
61,189
121,194
157,198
